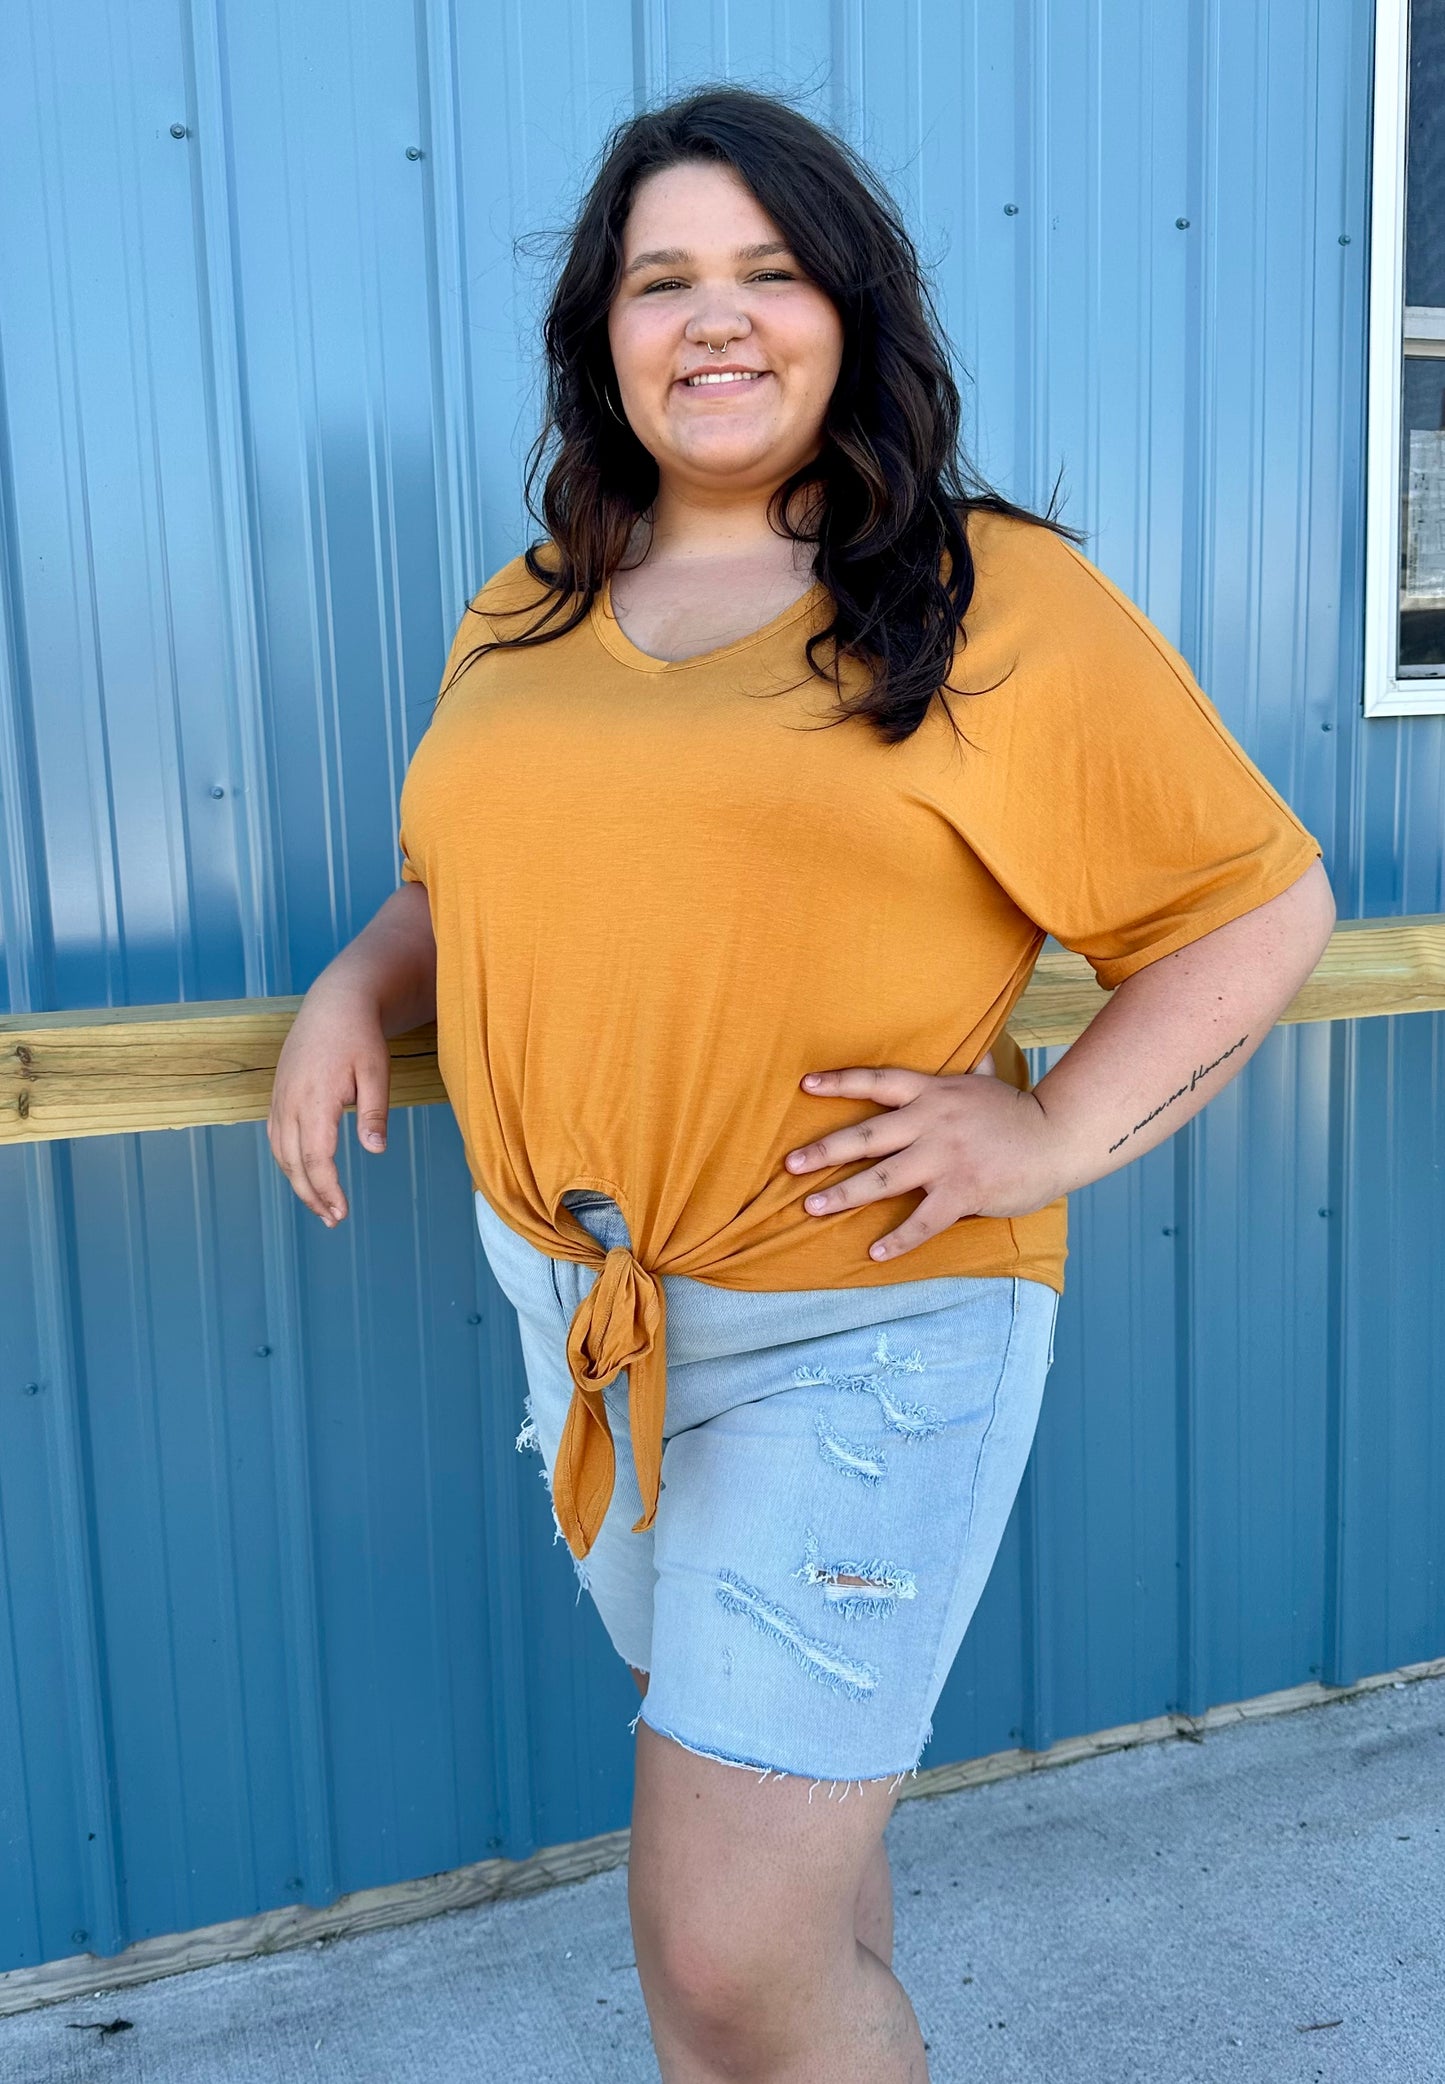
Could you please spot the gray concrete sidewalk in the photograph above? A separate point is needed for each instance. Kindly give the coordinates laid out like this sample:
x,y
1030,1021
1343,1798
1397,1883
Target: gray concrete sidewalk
x,y
1262,1906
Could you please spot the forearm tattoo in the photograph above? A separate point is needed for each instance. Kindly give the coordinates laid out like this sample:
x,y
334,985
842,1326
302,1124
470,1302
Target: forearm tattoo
x,y
1201,1071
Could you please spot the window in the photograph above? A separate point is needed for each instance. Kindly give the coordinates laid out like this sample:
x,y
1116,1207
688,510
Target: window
x,y
1405,489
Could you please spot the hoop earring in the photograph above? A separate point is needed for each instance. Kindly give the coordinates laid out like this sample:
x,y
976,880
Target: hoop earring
x,y
602,392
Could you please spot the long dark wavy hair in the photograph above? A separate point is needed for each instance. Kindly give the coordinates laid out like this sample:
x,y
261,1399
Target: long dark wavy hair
x,y
886,497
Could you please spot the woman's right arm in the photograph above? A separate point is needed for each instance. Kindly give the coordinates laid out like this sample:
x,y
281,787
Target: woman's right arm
x,y
381,984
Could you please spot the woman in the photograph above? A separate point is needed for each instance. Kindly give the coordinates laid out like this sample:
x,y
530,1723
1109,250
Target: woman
x,y
749,798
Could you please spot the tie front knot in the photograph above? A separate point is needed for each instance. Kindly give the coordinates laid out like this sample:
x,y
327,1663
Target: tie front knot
x,y
616,1321
619,1323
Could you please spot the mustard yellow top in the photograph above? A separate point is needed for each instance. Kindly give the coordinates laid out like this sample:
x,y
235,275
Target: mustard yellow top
x,y
661,892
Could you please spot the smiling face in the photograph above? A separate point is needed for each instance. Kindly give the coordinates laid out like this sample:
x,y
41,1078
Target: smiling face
x,y
702,261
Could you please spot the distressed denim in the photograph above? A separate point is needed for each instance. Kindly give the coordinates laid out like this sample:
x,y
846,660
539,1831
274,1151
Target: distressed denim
x,y
839,1466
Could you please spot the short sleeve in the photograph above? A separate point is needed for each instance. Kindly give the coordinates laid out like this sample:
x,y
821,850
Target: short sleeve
x,y
473,629
1105,794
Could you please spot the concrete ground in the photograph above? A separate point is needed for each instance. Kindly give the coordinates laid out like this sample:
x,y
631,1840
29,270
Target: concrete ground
x,y
1262,1906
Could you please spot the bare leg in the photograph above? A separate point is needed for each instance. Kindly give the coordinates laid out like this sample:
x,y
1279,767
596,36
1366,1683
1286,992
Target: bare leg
x,y
744,1898
873,1912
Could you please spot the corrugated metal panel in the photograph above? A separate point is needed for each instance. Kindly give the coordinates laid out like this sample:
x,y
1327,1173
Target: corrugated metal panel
x,y
283,1616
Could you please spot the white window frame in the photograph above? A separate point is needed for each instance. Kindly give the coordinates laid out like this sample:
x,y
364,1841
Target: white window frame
x,y
1391,328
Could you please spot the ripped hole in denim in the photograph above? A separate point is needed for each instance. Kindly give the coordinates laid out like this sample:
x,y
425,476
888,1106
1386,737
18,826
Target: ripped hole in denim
x,y
818,1658
853,1587
900,1414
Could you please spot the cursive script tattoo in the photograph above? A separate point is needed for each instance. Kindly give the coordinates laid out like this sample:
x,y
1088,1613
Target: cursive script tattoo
x,y
1200,1071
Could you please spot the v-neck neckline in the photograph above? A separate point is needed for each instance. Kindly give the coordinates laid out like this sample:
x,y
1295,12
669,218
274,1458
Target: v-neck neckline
x,y
611,633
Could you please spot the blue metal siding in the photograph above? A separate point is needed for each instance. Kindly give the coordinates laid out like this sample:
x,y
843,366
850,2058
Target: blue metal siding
x,y
282,1611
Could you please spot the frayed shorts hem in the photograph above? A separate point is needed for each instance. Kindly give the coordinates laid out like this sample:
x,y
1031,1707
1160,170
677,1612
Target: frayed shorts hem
x,y
767,1771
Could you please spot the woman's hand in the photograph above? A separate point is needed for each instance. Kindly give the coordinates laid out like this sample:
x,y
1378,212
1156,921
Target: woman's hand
x,y
334,1057
974,1144
383,983
1165,1041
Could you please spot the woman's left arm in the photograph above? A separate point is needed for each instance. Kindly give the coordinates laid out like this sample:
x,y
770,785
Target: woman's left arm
x,y
1167,1041
1173,1035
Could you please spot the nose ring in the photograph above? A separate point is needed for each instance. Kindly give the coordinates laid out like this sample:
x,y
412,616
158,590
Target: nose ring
x,y
727,343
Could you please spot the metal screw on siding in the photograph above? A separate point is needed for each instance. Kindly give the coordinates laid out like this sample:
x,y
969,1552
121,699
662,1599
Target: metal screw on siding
x,y
1010,209
1324,1211
31,1389
218,790
179,130
1327,727
80,1935
1344,238
1183,223
474,1318
415,152
1167,1231
263,1353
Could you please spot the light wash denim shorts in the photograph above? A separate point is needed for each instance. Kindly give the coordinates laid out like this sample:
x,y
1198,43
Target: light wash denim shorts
x,y
810,1437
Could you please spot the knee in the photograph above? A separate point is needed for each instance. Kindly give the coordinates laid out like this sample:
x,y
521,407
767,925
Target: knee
x,y
729,1999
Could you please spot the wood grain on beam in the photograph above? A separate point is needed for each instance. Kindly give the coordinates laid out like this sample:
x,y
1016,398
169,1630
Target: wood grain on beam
x,y
112,1071
1370,966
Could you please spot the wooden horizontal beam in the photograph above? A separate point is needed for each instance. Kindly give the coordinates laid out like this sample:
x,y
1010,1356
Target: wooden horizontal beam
x,y
115,1070
1369,967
